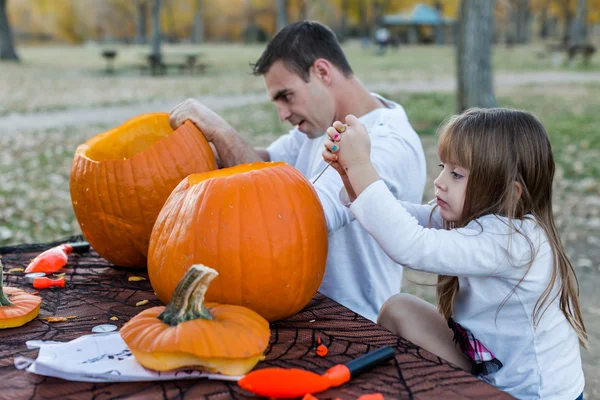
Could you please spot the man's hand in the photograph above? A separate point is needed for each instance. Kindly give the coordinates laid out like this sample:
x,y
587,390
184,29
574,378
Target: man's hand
x,y
230,148
209,122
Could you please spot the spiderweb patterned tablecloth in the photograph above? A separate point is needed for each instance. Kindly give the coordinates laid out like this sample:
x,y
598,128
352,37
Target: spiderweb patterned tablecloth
x,y
414,374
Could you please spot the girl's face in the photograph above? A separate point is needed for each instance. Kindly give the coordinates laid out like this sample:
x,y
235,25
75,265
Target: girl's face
x,y
450,188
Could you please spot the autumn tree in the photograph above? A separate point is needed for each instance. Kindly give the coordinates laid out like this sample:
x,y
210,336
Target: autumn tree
x,y
140,31
280,14
474,55
198,27
579,29
7,47
156,36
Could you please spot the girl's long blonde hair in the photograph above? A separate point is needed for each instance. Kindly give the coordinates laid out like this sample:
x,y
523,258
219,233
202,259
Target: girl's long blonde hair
x,y
500,147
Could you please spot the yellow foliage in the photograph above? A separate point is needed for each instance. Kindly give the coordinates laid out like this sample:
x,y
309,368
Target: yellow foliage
x,y
78,20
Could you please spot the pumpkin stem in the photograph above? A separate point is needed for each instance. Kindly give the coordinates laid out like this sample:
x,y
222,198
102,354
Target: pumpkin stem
x,y
187,302
3,298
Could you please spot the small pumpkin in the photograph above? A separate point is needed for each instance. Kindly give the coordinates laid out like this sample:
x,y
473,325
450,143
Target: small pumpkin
x,y
226,339
17,307
121,178
260,225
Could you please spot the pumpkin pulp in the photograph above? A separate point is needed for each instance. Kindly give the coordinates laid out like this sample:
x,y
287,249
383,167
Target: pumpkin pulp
x,y
187,304
23,308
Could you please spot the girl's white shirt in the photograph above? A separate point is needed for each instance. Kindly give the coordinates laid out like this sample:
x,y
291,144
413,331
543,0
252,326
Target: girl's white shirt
x,y
540,361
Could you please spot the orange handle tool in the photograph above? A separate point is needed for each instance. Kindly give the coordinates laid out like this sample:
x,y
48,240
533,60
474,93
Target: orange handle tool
x,y
45,283
289,383
52,260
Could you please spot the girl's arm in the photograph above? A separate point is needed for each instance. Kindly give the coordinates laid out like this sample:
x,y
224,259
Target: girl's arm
x,y
459,252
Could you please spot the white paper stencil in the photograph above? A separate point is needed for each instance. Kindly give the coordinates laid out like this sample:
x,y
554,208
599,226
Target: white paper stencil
x,y
100,357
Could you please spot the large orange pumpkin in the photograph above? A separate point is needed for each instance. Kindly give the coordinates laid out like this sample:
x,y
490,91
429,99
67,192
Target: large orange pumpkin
x,y
121,178
260,225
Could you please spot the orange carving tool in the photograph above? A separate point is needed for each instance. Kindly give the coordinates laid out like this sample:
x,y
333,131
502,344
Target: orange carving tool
x,y
288,383
52,260
45,283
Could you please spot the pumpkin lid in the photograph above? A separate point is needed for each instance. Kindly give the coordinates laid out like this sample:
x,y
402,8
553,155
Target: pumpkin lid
x,y
125,141
240,169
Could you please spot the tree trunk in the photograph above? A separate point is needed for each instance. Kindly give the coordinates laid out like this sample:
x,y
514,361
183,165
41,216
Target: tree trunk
x,y
198,28
524,21
544,28
7,47
568,21
440,27
343,22
140,37
509,23
156,28
364,18
474,55
281,14
302,12
579,32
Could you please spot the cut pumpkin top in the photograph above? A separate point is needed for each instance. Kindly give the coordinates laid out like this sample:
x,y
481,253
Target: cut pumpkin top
x,y
197,178
128,139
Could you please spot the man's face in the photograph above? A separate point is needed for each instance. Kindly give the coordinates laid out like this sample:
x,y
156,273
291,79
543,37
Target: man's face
x,y
310,105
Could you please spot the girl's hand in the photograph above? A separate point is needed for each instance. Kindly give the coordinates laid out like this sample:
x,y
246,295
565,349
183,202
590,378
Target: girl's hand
x,y
349,147
350,143
328,154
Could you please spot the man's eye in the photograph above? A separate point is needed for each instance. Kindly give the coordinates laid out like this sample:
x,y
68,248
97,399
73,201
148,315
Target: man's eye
x,y
285,98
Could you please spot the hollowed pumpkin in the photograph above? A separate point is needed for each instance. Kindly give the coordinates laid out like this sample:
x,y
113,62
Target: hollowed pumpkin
x,y
260,225
121,178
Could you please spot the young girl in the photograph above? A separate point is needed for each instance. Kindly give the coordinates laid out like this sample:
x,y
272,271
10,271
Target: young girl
x,y
507,294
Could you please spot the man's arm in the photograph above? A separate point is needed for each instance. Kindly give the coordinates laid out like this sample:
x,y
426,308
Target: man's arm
x,y
234,150
230,147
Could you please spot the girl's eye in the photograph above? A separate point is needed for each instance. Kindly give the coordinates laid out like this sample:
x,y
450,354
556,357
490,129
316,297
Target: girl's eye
x,y
441,165
456,175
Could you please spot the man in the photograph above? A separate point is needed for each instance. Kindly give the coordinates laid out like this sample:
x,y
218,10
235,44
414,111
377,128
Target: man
x,y
310,81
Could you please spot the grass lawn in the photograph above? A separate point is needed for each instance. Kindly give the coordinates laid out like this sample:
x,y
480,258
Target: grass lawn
x,y
58,78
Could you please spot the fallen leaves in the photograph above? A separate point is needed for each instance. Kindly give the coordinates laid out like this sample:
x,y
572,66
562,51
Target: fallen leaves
x,y
59,319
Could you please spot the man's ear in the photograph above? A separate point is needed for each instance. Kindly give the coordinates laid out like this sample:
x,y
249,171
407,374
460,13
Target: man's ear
x,y
322,70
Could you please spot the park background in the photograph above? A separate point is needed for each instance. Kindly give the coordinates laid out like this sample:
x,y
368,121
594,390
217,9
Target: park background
x,y
70,69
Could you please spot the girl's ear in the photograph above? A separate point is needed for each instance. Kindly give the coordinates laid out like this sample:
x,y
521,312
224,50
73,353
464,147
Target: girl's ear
x,y
518,190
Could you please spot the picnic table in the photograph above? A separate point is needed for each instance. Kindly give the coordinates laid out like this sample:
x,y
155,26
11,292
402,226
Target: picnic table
x,y
413,374
181,62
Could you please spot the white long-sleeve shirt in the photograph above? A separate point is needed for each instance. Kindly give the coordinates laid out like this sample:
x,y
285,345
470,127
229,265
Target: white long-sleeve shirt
x,y
540,362
359,275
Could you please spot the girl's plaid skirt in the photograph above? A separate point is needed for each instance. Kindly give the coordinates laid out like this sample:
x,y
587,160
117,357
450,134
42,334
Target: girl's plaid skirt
x,y
484,361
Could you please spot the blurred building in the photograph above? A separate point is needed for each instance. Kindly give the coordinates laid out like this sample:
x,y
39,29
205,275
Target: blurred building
x,y
423,24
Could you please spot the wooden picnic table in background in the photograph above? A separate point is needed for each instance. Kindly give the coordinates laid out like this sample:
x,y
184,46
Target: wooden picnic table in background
x,y
414,373
190,63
